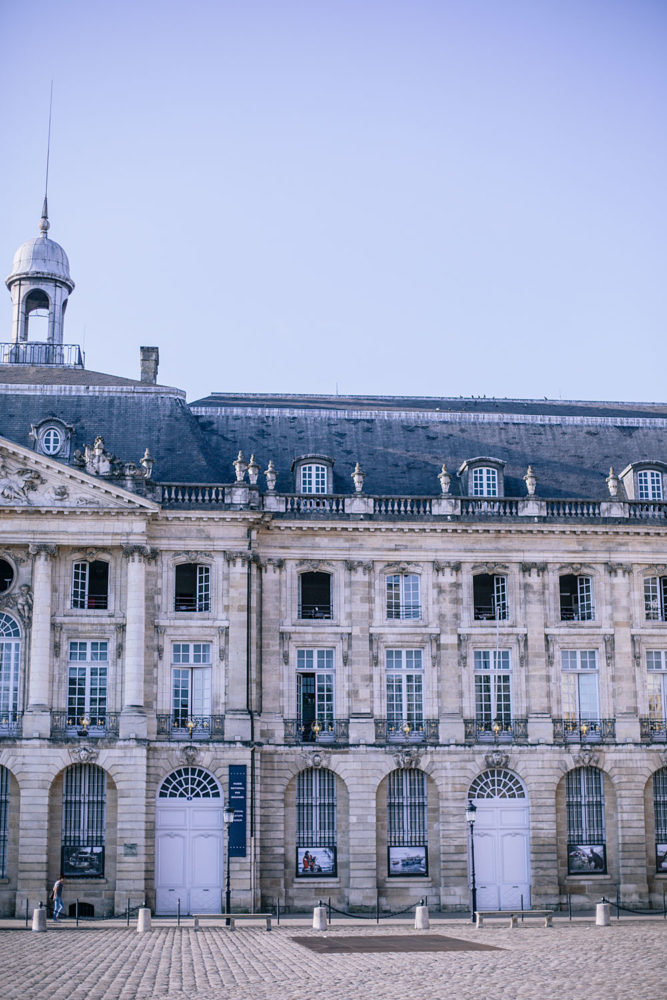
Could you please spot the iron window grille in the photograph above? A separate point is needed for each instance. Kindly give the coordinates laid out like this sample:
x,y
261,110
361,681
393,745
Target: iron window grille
x,y
403,599
84,820
584,798
316,808
90,585
407,808
660,817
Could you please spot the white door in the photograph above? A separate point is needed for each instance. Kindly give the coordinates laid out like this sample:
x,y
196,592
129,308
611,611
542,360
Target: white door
x,y
189,846
502,846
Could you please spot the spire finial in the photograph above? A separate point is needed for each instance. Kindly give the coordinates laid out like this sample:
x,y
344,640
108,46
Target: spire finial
x,y
44,221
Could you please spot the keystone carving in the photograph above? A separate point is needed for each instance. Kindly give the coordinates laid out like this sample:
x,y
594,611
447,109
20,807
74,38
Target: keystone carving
x,y
315,758
190,755
497,758
533,567
83,754
407,758
586,758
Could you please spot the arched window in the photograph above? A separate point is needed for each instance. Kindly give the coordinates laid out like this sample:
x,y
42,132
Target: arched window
x,y
10,662
407,823
189,783
4,819
84,821
496,783
316,823
586,839
660,815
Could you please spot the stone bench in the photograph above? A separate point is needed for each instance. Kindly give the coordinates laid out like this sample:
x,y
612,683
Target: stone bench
x,y
232,918
513,915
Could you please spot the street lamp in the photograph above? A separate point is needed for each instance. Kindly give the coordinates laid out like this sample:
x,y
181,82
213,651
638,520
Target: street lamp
x,y
471,814
228,819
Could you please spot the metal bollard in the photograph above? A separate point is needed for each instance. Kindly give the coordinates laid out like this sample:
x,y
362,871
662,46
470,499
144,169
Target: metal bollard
x,y
127,917
76,911
178,912
319,918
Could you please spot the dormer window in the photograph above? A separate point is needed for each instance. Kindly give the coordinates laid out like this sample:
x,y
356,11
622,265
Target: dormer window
x,y
482,477
313,479
645,481
313,474
484,482
649,484
51,437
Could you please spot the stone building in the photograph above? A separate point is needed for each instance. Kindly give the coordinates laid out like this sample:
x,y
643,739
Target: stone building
x,y
345,617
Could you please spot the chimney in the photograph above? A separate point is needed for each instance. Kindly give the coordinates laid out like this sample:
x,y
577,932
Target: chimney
x,y
150,359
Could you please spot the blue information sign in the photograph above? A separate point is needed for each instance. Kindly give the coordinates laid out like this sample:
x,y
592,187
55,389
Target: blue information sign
x,y
237,800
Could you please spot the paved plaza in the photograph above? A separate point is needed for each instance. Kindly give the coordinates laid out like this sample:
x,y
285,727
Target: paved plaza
x,y
626,961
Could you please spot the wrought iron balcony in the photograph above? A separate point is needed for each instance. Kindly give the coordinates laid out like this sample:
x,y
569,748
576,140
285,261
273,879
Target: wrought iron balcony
x,y
326,731
584,730
66,726
481,731
406,731
190,602
490,612
191,727
312,611
11,725
42,353
653,730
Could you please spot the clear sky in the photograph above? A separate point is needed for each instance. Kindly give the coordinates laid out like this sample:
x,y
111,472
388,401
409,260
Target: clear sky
x,y
414,197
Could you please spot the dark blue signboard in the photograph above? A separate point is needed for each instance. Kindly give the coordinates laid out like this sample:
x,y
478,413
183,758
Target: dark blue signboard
x,y
237,800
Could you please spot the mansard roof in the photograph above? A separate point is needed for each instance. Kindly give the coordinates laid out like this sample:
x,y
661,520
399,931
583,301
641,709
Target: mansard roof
x,y
402,442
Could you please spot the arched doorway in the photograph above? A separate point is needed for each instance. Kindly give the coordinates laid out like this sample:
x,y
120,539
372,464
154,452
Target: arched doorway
x,y
189,842
502,840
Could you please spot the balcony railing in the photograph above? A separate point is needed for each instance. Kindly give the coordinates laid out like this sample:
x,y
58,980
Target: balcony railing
x,y
314,504
187,602
325,731
42,353
11,725
98,602
65,725
572,613
653,730
402,506
490,612
489,507
406,731
318,611
191,727
584,730
481,731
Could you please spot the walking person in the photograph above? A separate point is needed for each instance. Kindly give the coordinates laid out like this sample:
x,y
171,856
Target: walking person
x,y
57,896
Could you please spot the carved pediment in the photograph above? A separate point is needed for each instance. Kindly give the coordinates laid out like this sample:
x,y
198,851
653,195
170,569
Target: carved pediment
x,y
28,479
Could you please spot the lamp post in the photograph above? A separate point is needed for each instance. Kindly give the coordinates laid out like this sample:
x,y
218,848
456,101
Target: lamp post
x,y
471,814
228,819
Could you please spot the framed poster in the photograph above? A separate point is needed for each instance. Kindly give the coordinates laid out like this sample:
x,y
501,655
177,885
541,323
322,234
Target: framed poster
x,y
586,859
315,862
83,862
661,857
408,860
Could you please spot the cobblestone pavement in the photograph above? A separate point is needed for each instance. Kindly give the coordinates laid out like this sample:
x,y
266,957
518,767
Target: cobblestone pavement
x,y
623,962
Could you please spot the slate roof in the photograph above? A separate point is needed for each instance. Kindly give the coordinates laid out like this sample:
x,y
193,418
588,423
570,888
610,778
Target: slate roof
x,y
128,414
402,442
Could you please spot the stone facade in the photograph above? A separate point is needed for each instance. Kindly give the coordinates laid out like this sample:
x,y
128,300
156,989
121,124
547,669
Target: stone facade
x,y
369,651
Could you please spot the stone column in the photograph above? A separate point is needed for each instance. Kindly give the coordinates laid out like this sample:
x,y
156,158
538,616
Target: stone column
x,y
357,652
133,716
452,652
38,719
269,651
237,719
533,650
